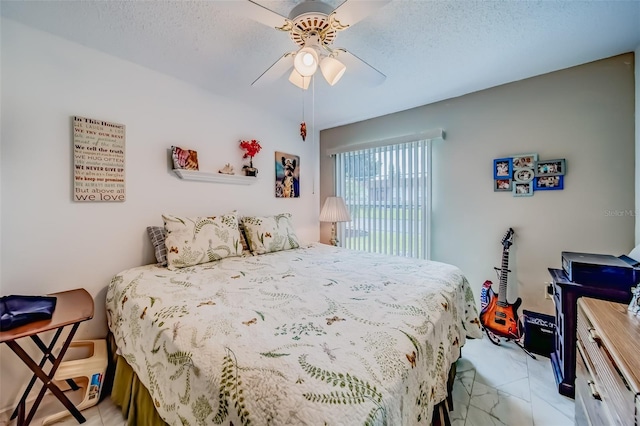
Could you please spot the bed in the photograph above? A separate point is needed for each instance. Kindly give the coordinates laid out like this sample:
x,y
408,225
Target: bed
x,y
307,335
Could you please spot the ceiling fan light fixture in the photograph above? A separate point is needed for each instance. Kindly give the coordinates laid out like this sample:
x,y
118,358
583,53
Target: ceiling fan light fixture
x,y
332,69
299,80
306,61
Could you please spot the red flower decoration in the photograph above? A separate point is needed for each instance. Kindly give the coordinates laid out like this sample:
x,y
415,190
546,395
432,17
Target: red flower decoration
x,y
251,148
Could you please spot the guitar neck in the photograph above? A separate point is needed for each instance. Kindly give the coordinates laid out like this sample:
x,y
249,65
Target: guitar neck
x,y
502,294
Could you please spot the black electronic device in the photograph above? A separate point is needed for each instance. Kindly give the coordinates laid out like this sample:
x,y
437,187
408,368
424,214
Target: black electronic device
x,y
599,270
630,261
539,332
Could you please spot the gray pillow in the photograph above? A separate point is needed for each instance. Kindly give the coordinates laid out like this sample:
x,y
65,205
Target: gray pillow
x,y
243,238
157,234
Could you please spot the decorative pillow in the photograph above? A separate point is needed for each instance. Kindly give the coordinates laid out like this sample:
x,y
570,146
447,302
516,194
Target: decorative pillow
x,y
243,237
194,240
267,234
184,158
157,235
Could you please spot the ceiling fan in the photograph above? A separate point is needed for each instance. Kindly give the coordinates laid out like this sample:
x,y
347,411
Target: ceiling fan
x,y
313,26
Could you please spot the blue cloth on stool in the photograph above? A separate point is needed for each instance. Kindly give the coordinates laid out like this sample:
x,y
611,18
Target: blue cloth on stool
x,y
18,310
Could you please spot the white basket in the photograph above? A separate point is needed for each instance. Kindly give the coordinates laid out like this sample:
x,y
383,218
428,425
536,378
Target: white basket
x,y
86,363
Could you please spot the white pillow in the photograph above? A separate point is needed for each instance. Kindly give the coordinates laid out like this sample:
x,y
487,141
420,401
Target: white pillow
x,y
267,234
191,241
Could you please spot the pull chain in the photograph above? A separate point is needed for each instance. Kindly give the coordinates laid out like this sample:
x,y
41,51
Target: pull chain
x,y
303,125
313,130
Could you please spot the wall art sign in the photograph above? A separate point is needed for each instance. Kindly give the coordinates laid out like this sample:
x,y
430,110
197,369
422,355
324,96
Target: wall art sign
x,y
287,175
98,160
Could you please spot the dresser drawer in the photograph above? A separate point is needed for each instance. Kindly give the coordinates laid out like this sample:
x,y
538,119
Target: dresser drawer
x,y
589,408
601,370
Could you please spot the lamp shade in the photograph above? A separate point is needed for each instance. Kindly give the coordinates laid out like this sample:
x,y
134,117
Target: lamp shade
x,y
306,61
334,210
298,80
332,69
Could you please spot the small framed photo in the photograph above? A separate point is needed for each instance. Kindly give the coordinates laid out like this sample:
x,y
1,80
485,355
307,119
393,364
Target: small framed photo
x,y
522,161
551,167
523,175
545,183
522,189
502,185
502,168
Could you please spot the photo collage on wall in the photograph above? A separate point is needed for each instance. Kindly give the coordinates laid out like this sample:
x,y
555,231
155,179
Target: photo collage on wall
x,y
523,174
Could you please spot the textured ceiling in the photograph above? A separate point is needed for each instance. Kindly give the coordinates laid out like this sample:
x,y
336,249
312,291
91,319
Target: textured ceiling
x,y
429,50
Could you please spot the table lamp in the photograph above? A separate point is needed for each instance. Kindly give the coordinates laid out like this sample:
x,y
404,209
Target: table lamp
x,y
334,210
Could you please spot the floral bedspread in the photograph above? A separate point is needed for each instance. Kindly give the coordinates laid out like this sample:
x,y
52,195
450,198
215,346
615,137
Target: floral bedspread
x,y
311,336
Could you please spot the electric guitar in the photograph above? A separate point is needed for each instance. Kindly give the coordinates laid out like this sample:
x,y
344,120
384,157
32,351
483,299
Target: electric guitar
x,y
497,315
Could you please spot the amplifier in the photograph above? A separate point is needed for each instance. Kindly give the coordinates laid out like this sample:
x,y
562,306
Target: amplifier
x,y
539,332
599,270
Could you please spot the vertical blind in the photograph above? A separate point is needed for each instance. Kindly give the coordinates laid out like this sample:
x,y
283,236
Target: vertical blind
x,y
387,190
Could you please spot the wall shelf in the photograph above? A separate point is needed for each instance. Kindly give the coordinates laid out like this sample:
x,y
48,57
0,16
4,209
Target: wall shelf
x,y
198,176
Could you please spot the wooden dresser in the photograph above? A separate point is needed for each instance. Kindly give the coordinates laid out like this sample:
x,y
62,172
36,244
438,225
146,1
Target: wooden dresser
x,y
608,364
565,298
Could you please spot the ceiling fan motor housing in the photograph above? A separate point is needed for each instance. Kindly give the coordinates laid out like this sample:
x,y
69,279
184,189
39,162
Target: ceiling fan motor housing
x,y
311,18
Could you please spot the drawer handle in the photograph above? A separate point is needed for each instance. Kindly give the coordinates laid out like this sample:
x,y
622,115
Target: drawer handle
x,y
593,336
594,392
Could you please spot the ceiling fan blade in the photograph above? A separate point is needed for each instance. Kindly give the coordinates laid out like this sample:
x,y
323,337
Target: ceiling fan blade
x,y
353,11
257,12
275,71
362,69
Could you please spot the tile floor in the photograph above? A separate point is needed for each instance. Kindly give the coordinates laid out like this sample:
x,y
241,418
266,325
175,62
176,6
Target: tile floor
x,y
495,385
502,385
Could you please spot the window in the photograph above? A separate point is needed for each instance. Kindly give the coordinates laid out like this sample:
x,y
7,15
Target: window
x,y
388,192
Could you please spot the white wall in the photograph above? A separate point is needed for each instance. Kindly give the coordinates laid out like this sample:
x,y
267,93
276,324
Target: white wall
x,y
584,114
49,242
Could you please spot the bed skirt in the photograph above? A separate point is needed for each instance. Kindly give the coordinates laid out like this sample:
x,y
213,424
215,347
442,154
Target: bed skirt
x,y
137,405
133,398
128,393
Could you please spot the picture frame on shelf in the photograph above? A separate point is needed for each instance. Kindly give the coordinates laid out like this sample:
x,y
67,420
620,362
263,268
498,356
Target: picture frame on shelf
x,y
551,167
548,183
502,168
521,161
502,185
185,159
522,189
